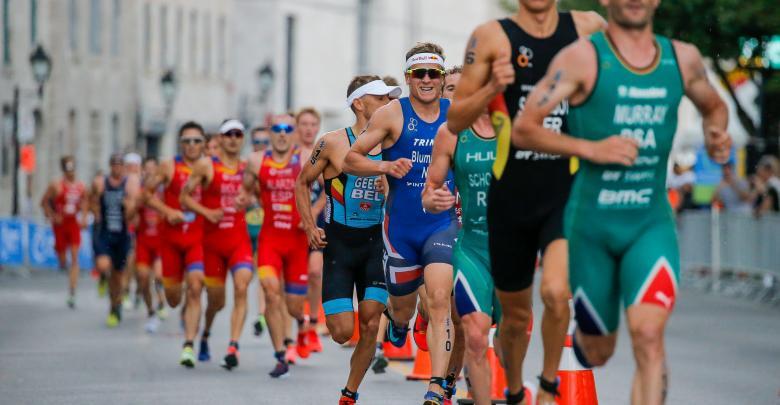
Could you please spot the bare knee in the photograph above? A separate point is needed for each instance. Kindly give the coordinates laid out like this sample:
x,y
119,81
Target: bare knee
x,y
438,304
340,330
515,321
647,340
476,343
597,349
556,299
173,296
369,327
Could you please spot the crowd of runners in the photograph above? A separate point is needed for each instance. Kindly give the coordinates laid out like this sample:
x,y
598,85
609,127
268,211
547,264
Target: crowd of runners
x,y
551,139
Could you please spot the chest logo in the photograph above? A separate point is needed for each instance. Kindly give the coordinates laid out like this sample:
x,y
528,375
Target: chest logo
x,y
412,125
525,56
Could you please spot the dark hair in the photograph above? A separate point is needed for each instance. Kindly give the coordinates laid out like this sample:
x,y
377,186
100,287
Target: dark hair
x,y
64,160
390,80
192,125
425,47
150,159
358,81
455,70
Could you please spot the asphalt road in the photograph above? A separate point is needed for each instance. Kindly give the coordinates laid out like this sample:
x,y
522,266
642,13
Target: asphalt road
x,y
720,351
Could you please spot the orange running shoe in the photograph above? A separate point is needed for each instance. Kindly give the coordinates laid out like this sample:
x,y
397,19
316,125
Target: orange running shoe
x,y
301,346
348,397
420,331
315,346
290,354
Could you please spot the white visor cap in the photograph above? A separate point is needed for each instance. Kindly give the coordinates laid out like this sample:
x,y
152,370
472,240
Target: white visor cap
x,y
374,88
230,125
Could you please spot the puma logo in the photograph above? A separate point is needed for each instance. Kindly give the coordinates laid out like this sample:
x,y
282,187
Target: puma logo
x,y
665,299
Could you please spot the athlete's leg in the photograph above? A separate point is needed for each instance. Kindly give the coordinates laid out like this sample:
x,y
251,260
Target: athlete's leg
x,y
438,288
174,272
476,326
646,324
516,307
193,307
215,301
402,309
555,318
273,306
242,276
315,285
369,312
73,274
143,276
458,347
157,284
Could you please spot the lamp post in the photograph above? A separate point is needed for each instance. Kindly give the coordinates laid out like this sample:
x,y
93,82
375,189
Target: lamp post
x,y
41,69
265,76
169,86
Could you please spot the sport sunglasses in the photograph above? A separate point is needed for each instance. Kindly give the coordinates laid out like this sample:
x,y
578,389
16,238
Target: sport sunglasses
x,y
282,128
234,133
420,73
191,141
265,141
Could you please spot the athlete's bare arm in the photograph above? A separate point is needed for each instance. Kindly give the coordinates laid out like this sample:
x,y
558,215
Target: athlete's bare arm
x,y
95,192
706,99
162,177
588,22
84,207
311,172
133,195
436,196
571,76
383,129
487,71
202,174
250,183
46,200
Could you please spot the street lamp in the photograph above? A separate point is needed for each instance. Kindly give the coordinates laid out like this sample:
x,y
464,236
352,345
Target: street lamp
x,y
168,87
41,67
266,81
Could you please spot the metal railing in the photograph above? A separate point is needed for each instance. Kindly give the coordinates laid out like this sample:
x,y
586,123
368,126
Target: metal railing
x,y
732,254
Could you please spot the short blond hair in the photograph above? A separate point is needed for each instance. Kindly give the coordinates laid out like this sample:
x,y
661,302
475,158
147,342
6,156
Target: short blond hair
x,y
425,47
308,110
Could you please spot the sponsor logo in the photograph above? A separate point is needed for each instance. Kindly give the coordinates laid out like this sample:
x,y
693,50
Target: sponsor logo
x,y
524,57
625,197
412,125
365,205
641,93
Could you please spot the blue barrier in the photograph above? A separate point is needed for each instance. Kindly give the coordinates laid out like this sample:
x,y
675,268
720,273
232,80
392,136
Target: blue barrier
x,y
29,243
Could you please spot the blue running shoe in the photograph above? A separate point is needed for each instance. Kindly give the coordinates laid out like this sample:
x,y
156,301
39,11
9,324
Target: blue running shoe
x,y
396,336
281,370
432,398
203,353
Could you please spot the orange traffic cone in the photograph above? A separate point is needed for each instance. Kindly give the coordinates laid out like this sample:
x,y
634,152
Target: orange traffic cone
x,y
399,354
577,385
422,367
353,341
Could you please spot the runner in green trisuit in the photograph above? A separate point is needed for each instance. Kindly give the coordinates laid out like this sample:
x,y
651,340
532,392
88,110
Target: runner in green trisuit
x,y
470,155
624,86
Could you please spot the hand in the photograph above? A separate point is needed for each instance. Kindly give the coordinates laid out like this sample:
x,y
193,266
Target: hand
x,y
397,168
316,237
214,216
613,150
57,219
174,217
502,74
718,144
441,200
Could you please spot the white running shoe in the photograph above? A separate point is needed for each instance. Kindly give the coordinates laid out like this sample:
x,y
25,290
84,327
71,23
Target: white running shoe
x,y
152,324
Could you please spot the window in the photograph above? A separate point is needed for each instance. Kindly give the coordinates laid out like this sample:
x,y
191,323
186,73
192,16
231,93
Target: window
x,y
177,45
147,34
115,132
6,34
163,37
33,22
73,25
206,44
116,27
95,27
221,46
193,41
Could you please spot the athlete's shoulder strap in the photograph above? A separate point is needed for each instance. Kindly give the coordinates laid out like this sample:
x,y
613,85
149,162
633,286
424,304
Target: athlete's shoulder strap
x,y
350,135
406,106
509,27
566,23
444,106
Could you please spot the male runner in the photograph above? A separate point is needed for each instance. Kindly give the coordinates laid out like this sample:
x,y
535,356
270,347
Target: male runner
x,y
624,86
147,250
225,239
113,204
181,236
528,190
307,125
352,238
62,202
254,221
133,173
283,249
470,155
418,245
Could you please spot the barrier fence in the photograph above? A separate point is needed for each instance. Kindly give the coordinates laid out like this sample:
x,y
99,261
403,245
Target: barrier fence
x,y
29,243
730,253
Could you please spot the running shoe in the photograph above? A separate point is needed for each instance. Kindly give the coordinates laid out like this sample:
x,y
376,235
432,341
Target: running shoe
x,y
187,358
380,364
102,288
432,398
260,325
71,302
395,335
348,398
152,324
290,355
302,347
112,321
137,302
420,332
162,313
281,370
203,353
315,345
126,303
230,361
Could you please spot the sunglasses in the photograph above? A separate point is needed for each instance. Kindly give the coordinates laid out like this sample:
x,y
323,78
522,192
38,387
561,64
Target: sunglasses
x,y
282,128
420,73
261,142
234,133
191,141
